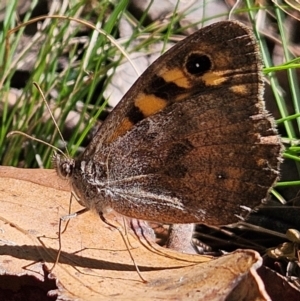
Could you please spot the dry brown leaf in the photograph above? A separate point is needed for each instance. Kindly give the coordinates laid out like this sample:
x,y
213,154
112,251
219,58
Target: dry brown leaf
x,y
277,286
95,264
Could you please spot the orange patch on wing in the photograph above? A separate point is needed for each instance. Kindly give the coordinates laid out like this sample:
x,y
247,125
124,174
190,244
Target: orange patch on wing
x,y
123,127
213,78
239,89
175,76
149,104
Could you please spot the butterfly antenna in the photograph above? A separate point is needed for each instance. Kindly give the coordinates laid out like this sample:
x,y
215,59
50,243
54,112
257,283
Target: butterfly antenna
x,y
52,117
35,139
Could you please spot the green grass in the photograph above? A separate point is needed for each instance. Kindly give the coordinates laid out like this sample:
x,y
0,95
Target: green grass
x,y
292,137
91,56
76,83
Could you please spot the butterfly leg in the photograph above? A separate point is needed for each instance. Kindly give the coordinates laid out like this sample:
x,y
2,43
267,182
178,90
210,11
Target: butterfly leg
x,y
60,231
101,215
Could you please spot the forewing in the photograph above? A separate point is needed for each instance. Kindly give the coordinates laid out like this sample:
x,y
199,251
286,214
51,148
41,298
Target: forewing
x,y
230,48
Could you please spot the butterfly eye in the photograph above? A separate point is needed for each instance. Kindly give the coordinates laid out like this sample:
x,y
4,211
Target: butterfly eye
x,y
64,166
198,64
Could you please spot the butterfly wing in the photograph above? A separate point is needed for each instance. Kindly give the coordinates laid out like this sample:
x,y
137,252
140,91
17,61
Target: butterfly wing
x,y
221,51
191,140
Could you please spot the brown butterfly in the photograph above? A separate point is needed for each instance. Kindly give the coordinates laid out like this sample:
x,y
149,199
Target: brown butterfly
x,y
190,142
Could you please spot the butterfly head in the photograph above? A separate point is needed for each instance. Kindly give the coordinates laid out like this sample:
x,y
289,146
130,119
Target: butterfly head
x,y
63,165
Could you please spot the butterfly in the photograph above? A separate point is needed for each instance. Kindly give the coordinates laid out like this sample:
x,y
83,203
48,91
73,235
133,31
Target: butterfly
x,y
191,141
